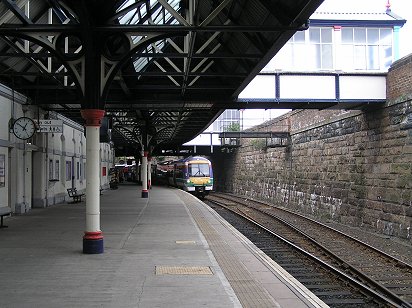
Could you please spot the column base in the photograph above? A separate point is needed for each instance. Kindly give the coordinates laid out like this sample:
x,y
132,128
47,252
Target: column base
x,y
93,243
145,194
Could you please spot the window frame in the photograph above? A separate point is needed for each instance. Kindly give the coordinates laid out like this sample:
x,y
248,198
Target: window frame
x,y
2,170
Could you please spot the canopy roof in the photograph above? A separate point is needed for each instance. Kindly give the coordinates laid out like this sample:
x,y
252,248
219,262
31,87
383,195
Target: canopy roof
x,y
163,70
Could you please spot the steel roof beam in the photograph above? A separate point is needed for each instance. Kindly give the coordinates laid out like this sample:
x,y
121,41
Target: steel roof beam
x,y
215,12
31,60
62,14
176,87
12,6
174,13
126,10
181,74
9,29
169,76
184,55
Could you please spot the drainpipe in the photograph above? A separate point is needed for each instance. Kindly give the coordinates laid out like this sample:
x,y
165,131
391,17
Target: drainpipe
x,y
396,42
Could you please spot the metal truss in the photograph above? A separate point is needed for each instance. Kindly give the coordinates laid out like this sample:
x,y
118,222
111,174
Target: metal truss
x,y
163,70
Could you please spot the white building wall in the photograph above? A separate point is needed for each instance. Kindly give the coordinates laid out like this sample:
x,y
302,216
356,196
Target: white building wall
x,y
36,173
4,149
17,192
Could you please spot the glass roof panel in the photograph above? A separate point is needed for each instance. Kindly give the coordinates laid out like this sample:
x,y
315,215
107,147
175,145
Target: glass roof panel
x,y
158,16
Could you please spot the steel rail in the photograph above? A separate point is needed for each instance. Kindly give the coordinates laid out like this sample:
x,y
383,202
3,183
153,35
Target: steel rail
x,y
357,271
361,286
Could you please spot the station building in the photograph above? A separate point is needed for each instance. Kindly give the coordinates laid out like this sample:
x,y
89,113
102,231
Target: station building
x,y
37,172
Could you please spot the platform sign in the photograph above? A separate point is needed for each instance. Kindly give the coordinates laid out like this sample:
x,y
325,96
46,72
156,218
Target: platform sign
x,y
50,126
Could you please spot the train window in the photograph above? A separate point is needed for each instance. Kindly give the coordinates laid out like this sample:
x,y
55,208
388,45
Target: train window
x,y
178,172
199,170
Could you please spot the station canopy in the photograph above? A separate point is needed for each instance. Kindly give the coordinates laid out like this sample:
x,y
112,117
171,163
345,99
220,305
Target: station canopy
x,y
162,70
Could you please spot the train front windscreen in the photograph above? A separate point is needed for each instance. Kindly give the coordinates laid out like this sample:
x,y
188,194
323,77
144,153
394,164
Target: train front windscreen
x,y
199,170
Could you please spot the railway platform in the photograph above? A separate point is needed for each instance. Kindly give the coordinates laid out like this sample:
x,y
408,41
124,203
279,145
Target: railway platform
x,y
168,250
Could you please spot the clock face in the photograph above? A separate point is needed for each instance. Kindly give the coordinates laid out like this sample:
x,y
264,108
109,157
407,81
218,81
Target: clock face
x,y
24,128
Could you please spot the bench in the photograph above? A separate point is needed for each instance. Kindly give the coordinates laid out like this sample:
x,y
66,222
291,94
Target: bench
x,y
3,212
74,195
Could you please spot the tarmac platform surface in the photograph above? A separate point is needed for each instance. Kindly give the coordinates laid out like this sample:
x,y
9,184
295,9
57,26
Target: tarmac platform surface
x,y
168,250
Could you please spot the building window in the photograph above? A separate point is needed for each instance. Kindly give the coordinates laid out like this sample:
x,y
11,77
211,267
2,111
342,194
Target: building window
x,y
68,170
57,170
2,170
229,119
366,48
293,55
321,49
51,171
78,170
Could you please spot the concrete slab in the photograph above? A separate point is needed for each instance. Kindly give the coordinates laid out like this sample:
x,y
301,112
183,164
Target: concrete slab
x,y
42,262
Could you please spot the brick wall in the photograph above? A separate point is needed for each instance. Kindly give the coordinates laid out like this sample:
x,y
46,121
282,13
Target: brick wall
x,y
352,167
399,81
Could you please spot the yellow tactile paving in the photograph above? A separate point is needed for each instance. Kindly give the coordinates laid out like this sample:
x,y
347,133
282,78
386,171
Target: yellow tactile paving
x,y
186,242
183,270
248,291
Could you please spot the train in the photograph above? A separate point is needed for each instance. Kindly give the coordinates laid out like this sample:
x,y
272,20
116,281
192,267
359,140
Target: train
x,y
193,174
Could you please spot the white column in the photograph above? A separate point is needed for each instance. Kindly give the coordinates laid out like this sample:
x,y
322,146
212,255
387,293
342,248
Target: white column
x,y
145,193
92,179
149,172
93,237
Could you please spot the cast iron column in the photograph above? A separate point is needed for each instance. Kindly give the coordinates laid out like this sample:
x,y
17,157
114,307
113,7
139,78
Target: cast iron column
x,y
93,237
145,192
149,172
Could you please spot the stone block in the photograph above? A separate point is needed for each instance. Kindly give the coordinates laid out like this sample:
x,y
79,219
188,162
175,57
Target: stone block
x,y
401,168
404,181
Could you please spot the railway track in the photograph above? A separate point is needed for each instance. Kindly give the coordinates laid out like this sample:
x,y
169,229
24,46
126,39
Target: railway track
x,y
385,275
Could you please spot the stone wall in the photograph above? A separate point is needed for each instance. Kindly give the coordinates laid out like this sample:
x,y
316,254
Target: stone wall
x,y
352,167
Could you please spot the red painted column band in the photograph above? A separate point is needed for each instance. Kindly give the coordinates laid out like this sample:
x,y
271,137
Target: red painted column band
x,y
93,235
92,117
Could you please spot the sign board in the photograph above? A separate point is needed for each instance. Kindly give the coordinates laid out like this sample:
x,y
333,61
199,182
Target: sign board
x,y
50,126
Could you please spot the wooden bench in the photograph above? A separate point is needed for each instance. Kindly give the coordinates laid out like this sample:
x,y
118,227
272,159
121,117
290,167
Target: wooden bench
x,y
74,195
3,212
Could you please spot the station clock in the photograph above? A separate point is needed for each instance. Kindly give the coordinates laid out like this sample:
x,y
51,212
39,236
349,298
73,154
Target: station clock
x,y
24,128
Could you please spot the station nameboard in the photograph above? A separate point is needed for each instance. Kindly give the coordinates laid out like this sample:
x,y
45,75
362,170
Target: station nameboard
x,y
50,126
